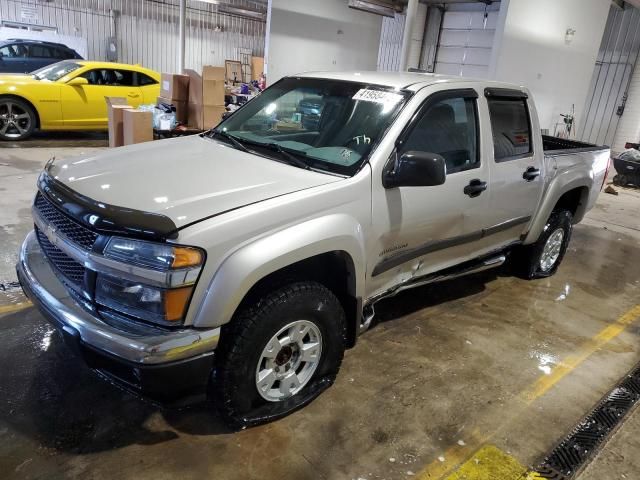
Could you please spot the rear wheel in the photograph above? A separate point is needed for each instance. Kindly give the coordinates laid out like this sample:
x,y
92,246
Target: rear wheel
x,y
278,353
17,119
542,258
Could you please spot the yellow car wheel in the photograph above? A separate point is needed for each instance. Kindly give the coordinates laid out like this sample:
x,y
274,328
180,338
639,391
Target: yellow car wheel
x,y
17,119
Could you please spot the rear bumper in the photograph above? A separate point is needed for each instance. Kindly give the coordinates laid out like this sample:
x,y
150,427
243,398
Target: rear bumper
x,y
161,364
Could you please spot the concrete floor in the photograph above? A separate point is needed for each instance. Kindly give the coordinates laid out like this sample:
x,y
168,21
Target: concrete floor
x,y
449,369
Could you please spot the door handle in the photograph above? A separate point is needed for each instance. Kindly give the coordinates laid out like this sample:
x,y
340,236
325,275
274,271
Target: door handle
x,y
531,173
133,95
475,188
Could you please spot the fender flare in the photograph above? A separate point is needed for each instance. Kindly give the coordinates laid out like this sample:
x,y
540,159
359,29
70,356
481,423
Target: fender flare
x,y
245,267
561,184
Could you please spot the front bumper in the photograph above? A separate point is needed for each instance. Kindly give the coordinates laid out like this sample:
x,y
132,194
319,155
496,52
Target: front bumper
x,y
158,363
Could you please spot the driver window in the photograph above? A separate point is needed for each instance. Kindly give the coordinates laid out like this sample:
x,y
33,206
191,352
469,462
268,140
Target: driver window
x,y
107,76
449,128
8,51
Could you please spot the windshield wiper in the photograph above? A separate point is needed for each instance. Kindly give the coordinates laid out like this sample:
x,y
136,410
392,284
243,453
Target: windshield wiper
x,y
289,157
237,143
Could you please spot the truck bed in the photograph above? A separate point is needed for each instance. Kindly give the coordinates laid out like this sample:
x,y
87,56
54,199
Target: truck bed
x,y
558,146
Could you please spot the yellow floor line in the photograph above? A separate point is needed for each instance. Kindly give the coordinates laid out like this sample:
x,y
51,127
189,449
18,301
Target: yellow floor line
x,y
456,454
16,307
543,384
491,463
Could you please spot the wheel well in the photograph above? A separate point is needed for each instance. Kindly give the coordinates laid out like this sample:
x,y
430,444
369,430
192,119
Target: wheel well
x,y
574,200
335,270
22,99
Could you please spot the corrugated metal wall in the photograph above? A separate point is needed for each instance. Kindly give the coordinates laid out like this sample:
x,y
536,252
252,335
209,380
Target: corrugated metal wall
x,y
610,82
390,43
629,126
147,30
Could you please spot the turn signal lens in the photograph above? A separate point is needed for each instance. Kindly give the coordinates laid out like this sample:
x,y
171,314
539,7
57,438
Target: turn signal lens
x,y
175,303
186,257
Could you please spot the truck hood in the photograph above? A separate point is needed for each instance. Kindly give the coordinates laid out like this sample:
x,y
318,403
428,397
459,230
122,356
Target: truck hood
x,y
186,179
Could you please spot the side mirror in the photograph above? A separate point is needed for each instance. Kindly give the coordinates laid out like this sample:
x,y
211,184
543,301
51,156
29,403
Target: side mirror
x,y
415,169
78,81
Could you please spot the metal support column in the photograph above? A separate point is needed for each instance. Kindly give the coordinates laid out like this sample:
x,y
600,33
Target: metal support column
x,y
181,35
410,16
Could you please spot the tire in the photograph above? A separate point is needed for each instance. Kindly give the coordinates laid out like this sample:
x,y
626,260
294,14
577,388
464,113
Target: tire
x,y
621,180
533,261
17,119
240,362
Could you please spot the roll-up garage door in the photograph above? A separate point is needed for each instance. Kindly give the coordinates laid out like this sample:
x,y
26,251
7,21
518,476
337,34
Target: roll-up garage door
x,y
466,39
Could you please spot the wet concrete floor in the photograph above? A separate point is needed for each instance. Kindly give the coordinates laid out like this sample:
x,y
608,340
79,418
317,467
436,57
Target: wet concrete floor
x,y
488,359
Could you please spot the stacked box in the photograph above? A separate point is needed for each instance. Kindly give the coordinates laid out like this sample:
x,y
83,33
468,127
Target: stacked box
x,y
206,97
115,106
137,126
174,90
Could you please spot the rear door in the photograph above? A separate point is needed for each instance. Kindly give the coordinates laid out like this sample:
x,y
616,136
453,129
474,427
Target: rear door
x,y
516,166
85,106
39,56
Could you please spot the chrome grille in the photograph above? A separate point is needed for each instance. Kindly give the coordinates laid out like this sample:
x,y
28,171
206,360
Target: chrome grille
x,y
68,267
75,232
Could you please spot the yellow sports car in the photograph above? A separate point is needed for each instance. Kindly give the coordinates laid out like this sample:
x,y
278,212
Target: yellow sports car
x,y
69,95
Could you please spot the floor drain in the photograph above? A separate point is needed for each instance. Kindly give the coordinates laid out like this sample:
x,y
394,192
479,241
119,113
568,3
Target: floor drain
x,y
572,453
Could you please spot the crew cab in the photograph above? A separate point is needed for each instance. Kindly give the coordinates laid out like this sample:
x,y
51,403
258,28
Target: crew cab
x,y
242,262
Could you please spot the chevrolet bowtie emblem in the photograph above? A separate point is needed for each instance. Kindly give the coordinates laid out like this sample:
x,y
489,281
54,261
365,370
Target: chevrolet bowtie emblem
x,y
50,232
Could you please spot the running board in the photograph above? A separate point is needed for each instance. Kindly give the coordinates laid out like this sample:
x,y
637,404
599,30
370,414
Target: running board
x,y
466,268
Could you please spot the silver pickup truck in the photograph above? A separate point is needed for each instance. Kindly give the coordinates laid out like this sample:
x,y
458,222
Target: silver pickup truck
x,y
241,263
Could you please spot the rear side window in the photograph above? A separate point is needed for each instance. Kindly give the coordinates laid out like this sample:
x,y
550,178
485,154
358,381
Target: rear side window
x,y
511,128
449,128
145,79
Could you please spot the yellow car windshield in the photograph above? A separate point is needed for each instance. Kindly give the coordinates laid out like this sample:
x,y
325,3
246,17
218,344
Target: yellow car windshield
x,y
55,71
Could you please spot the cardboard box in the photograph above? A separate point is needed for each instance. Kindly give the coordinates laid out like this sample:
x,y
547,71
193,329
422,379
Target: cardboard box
x,y
212,115
257,67
115,105
181,108
174,86
213,73
137,126
205,116
116,128
208,88
213,92
195,86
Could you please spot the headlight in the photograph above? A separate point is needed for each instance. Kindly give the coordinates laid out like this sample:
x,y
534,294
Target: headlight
x,y
153,304
160,256
162,301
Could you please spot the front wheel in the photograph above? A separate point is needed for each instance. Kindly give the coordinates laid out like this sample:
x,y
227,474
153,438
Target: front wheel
x,y
278,353
17,119
542,258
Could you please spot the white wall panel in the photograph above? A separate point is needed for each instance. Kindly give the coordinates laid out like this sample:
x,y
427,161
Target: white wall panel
x,y
147,31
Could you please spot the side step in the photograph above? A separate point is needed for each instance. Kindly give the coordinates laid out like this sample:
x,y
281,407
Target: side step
x,y
461,270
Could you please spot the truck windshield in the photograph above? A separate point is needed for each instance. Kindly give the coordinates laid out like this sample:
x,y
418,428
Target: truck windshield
x,y
315,123
55,71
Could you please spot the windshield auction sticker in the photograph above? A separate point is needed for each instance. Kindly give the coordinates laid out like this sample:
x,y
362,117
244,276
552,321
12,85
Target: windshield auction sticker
x,y
377,96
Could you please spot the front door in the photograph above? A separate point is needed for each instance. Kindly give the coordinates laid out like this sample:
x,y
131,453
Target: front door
x,y
424,229
85,106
